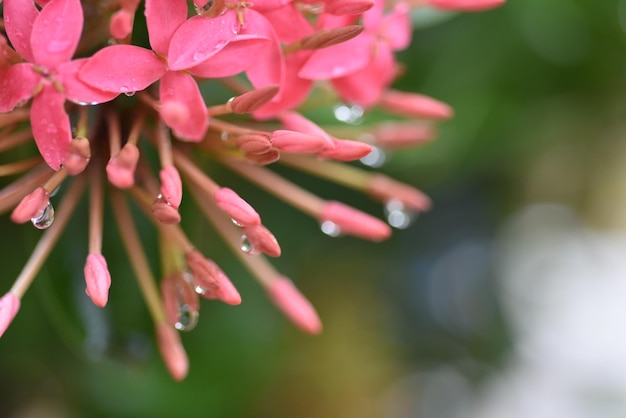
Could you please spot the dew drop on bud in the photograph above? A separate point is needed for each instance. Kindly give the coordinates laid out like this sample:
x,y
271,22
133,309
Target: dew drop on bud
x,y
45,219
330,228
235,222
199,290
246,245
397,215
224,136
187,318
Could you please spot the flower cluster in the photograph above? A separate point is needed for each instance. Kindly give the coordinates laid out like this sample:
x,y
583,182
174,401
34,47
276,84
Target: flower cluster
x,y
66,67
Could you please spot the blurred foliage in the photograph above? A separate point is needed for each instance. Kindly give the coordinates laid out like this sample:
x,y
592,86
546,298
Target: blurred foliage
x,y
538,91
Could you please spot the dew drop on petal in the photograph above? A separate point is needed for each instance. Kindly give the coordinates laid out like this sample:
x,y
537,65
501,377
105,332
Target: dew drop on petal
x,y
246,245
224,136
129,93
187,318
234,221
375,158
45,219
397,215
330,228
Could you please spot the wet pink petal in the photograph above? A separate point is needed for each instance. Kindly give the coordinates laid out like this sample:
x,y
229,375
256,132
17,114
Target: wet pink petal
x,y
9,305
235,58
237,208
17,84
122,69
51,126
269,67
366,86
190,119
294,305
19,16
338,60
199,38
56,32
163,18
171,185
97,279
78,91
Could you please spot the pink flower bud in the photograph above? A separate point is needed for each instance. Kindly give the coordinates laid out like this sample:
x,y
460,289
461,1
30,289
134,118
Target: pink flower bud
x,y
254,144
346,150
330,37
171,185
172,351
385,188
466,5
31,206
264,159
294,121
121,168
415,105
121,24
236,207
347,7
98,279
252,100
77,156
403,134
294,305
262,240
351,221
292,141
211,282
9,305
180,301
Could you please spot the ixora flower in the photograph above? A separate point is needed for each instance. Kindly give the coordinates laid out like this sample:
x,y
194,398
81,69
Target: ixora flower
x,y
271,54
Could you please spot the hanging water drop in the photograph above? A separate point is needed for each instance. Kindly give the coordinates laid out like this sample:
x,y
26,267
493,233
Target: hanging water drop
x,y
129,93
224,136
234,221
45,219
187,318
330,228
375,158
397,215
246,245
200,290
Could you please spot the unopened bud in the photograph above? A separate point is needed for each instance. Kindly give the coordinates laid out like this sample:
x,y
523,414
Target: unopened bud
x,y
351,221
31,206
180,301
294,305
9,305
292,141
346,150
77,156
121,168
121,24
264,159
205,273
97,279
171,185
415,105
252,100
466,5
236,207
165,212
262,240
330,37
403,134
347,7
172,351
254,143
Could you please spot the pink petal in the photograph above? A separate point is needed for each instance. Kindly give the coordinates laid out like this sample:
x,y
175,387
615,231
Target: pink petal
x,y
396,27
290,25
235,58
339,60
17,84
76,90
269,67
9,305
466,5
237,208
19,16
199,38
179,91
51,126
366,86
163,18
122,69
56,32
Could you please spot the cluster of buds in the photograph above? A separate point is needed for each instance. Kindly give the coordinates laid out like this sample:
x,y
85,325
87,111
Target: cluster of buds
x,y
66,67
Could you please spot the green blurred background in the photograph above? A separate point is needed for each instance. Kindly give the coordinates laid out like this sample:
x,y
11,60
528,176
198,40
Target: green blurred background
x,y
425,325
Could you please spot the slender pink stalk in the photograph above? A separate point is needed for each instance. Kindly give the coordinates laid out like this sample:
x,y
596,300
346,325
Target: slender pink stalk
x,y
9,305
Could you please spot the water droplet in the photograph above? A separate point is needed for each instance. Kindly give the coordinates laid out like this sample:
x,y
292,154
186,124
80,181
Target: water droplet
x,y
246,245
124,89
129,93
55,191
330,228
187,318
349,114
234,221
200,290
224,136
45,219
397,215
375,158
198,56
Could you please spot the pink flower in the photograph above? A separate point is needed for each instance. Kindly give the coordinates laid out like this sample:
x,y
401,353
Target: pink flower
x,y
47,40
